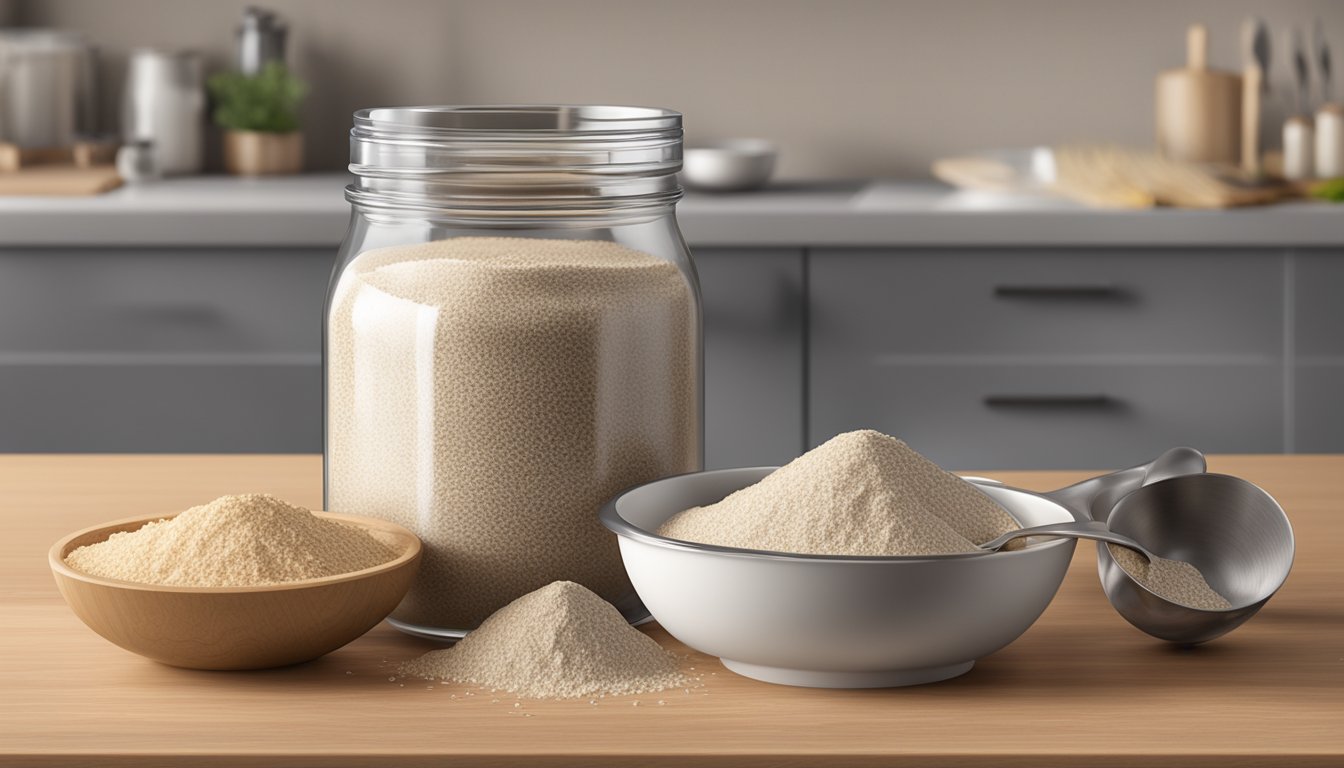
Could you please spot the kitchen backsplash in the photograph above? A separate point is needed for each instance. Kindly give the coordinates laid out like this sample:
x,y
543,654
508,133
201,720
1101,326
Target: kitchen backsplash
x,y
848,88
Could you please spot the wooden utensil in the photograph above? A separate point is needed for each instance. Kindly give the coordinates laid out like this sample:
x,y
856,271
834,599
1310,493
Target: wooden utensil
x,y
1251,82
237,627
1199,109
1255,59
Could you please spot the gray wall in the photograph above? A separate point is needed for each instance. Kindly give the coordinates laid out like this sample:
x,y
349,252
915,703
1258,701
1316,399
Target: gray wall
x,y
849,88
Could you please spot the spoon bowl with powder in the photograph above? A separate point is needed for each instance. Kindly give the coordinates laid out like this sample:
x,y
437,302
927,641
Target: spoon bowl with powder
x,y
1231,532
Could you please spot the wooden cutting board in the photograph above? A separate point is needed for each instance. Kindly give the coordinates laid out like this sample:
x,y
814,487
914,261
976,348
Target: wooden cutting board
x,y
59,181
1080,688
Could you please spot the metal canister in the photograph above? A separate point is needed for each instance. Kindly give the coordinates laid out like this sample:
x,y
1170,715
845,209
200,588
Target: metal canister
x,y
261,40
165,105
47,92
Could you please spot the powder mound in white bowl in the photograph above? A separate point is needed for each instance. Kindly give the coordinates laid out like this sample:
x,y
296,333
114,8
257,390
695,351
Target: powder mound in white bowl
x,y
860,493
246,540
559,642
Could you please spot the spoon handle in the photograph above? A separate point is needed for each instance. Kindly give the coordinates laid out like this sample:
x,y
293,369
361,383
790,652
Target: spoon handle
x,y
1079,530
1093,499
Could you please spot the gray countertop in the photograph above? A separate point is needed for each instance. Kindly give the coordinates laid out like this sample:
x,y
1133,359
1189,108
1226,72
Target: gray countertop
x,y
310,210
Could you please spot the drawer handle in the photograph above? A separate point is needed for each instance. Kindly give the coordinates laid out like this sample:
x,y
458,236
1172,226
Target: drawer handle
x,y
1059,291
1050,401
188,314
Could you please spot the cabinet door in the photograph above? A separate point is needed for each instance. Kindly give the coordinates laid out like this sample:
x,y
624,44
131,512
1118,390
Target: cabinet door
x,y
1006,416
753,313
1047,302
1318,376
1049,359
162,350
161,408
199,301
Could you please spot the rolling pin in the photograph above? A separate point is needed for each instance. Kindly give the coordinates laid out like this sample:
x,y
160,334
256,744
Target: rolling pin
x,y
1199,109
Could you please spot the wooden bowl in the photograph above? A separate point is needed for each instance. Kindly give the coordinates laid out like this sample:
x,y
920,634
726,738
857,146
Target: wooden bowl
x,y
237,627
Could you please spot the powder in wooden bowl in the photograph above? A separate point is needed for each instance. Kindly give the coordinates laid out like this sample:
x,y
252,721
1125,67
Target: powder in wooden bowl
x,y
860,493
247,540
1174,580
559,642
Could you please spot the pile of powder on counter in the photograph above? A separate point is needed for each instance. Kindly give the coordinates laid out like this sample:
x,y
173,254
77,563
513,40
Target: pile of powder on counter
x,y
860,493
1174,580
247,540
560,642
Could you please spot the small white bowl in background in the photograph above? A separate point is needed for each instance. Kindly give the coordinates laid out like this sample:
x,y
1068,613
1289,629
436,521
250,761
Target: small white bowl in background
x,y
731,165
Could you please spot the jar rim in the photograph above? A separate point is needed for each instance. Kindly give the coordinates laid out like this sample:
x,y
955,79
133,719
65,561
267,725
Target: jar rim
x,y
515,160
526,119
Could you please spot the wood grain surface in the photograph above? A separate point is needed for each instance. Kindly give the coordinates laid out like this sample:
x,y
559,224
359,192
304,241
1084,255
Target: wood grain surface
x,y
1081,687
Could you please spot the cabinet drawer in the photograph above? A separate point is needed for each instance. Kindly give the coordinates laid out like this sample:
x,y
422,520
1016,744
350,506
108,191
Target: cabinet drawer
x,y
1318,409
1318,288
1054,416
161,408
753,311
242,300
1058,302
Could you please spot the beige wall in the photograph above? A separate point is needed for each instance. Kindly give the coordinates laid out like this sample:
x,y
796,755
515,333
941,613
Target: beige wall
x,y
849,88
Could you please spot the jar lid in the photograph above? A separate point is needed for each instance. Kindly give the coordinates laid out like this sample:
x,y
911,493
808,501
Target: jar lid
x,y
516,122
514,156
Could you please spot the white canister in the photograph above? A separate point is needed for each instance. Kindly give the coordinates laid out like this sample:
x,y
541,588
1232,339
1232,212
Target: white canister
x,y
1330,141
165,105
1298,148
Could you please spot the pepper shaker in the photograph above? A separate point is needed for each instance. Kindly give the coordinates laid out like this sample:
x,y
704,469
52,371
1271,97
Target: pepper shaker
x,y
1330,141
1299,146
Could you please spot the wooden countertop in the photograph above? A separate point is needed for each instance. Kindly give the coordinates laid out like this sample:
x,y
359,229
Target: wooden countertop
x,y
1080,688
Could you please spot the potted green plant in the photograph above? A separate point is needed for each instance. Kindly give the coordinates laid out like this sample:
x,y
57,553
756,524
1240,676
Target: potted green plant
x,y
260,116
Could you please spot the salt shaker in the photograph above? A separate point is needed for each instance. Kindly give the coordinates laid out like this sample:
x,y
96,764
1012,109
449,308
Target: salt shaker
x,y
1298,148
136,162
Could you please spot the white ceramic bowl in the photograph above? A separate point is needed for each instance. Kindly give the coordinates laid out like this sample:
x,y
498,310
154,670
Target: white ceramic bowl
x,y
732,165
833,622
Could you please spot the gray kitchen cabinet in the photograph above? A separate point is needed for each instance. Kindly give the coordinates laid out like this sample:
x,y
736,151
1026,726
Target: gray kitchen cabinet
x,y
753,316
203,302
1049,302
1318,373
1318,409
162,350
1010,416
1058,358
219,350
162,407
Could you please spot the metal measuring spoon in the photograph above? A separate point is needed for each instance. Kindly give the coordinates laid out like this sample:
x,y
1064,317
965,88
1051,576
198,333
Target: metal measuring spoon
x,y
1093,498
1232,531
1088,529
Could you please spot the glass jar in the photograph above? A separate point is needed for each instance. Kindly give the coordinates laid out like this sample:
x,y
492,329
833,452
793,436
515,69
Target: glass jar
x,y
512,337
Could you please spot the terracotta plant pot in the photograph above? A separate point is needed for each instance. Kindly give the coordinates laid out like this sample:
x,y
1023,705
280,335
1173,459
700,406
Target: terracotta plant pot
x,y
254,153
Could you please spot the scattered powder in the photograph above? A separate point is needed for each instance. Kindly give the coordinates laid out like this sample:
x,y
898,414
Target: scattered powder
x,y
490,394
1175,580
560,642
859,493
234,541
